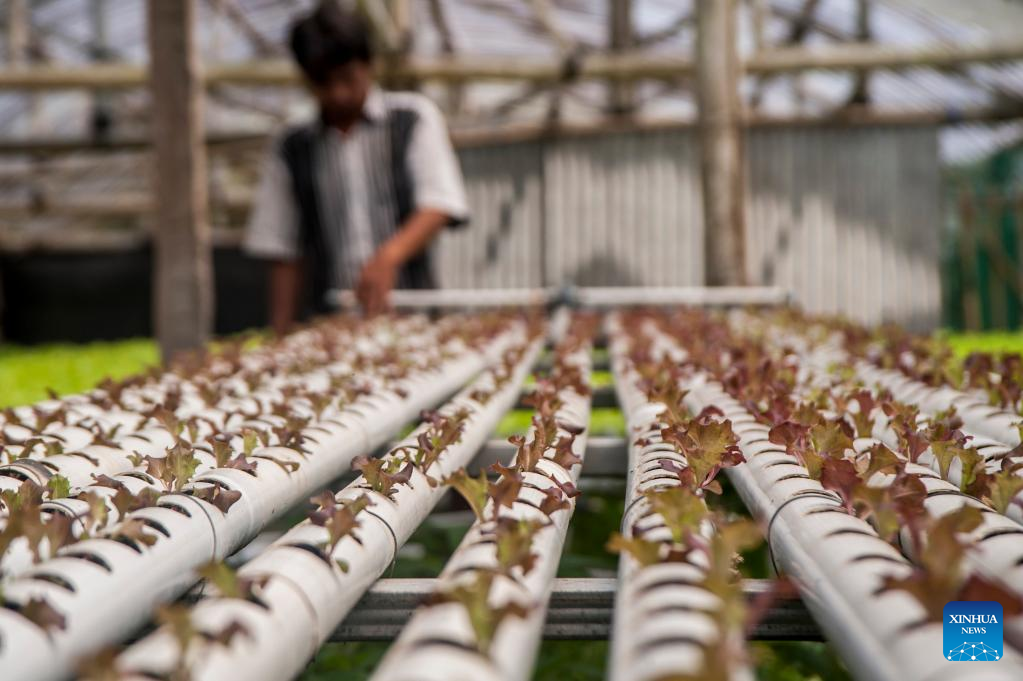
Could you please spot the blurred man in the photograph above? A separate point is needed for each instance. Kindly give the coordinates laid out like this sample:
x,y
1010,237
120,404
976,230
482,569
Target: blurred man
x,y
352,200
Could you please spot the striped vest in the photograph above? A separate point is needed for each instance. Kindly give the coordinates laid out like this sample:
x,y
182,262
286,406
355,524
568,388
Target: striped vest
x,y
300,149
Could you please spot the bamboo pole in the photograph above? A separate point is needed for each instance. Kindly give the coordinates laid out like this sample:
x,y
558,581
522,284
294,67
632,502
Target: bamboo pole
x,y
183,305
853,116
720,144
102,122
621,37
625,66
17,33
861,86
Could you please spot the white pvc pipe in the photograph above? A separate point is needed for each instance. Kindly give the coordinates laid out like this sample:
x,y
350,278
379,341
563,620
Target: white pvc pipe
x,y
438,644
586,296
661,628
114,460
816,359
626,296
306,597
418,299
996,544
114,586
978,416
837,561
265,361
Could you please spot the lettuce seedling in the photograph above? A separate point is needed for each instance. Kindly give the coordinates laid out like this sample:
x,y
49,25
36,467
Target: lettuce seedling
x,y
473,490
514,540
484,618
339,519
385,474
708,446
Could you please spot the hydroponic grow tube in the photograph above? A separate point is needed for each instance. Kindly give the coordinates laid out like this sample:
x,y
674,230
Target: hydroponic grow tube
x,y
661,623
118,462
996,543
75,420
306,596
129,434
439,643
815,368
106,589
837,561
979,417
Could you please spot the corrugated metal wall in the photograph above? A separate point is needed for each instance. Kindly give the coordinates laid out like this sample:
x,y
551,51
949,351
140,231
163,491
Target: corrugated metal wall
x,y
846,218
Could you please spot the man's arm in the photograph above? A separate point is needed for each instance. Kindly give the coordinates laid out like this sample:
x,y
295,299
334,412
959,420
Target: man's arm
x,y
380,273
285,284
439,200
272,235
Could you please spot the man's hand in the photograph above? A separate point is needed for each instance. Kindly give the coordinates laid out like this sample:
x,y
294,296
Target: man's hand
x,y
381,272
375,283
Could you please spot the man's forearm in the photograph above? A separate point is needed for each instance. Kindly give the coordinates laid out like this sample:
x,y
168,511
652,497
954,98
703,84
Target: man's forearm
x,y
285,280
413,237
381,272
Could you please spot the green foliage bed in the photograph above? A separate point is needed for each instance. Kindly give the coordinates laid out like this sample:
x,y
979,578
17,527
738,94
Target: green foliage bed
x,y
27,372
991,341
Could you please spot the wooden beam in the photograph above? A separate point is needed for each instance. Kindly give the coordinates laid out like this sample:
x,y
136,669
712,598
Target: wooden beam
x,y
455,92
621,38
625,66
849,116
544,14
759,13
382,23
720,129
102,115
183,300
859,56
18,32
860,94
233,12
403,16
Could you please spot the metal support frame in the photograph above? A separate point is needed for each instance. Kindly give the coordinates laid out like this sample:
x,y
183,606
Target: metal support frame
x,y
580,609
601,297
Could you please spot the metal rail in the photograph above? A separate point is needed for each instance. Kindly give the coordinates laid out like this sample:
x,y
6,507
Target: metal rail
x,y
588,297
580,609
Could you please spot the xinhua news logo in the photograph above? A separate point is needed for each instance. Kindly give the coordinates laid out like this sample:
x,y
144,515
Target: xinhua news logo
x,y
973,631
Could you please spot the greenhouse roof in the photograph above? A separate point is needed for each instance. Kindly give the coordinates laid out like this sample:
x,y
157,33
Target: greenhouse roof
x,y
234,31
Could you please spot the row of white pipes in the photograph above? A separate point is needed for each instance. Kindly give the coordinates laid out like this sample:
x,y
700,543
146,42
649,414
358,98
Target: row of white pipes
x,y
979,417
818,358
996,544
115,460
136,396
304,597
662,626
439,643
836,560
107,587
135,433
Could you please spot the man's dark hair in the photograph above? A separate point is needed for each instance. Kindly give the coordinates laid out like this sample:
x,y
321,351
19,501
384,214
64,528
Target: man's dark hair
x,y
328,38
